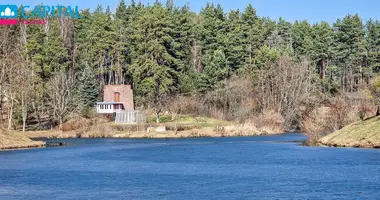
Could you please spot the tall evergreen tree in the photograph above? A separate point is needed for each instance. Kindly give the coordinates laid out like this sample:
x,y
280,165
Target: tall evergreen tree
x,y
88,87
373,48
153,72
236,48
349,47
322,38
216,71
302,39
254,34
213,32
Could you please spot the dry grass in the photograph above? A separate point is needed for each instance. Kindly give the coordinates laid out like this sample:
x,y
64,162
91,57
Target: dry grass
x,y
221,131
269,122
15,140
43,134
109,130
182,128
327,119
359,134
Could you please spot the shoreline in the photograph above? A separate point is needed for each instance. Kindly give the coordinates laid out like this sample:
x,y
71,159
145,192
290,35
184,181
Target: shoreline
x,y
360,134
10,139
144,135
320,144
37,138
28,145
349,146
169,130
94,128
39,143
22,148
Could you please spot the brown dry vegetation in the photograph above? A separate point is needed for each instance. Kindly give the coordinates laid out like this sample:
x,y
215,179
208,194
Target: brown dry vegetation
x,y
184,127
272,102
335,115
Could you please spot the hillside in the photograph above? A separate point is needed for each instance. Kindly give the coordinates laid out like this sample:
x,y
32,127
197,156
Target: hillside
x,y
365,134
16,140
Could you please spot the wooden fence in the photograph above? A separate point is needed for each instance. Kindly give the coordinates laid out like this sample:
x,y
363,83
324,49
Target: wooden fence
x,y
130,117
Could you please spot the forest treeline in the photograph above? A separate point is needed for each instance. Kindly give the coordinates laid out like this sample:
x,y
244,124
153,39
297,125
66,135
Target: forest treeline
x,y
232,65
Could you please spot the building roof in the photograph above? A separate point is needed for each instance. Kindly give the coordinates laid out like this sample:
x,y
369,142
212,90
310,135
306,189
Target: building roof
x,y
108,103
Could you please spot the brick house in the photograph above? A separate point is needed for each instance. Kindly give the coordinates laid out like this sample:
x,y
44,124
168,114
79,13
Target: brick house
x,y
116,98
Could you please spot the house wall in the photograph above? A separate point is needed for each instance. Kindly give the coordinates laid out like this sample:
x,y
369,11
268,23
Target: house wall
x,y
126,95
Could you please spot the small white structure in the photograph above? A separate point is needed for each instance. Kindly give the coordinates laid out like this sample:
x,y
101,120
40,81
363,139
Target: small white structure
x,y
109,107
130,117
160,129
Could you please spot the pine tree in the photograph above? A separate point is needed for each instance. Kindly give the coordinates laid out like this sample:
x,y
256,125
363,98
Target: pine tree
x,y
182,28
253,34
349,47
284,29
153,72
236,48
373,41
322,38
302,39
265,56
88,87
213,32
216,71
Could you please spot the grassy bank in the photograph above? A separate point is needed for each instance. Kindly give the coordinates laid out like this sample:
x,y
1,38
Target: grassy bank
x,y
17,140
181,128
364,134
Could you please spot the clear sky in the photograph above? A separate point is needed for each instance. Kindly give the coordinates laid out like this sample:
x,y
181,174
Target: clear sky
x,y
291,10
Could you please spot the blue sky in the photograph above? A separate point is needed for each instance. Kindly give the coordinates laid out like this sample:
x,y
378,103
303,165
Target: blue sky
x,y
291,10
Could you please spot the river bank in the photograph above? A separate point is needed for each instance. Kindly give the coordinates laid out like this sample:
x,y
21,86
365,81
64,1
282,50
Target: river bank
x,y
183,127
17,140
361,134
140,131
103,128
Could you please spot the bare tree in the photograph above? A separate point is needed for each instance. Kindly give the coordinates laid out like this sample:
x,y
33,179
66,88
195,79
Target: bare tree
x,y
25,92
10,61
175,106
159,105
374,87
284,87
62,97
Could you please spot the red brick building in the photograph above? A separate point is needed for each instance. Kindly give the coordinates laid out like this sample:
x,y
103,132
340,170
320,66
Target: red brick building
x,y
116,98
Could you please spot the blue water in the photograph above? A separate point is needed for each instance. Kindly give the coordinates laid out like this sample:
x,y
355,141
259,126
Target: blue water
x,y
264,167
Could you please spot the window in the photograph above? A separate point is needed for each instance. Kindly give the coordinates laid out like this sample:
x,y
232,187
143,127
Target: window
x,y
116,96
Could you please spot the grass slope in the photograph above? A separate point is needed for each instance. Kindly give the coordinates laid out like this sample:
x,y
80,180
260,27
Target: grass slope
x,y
364,134
15,140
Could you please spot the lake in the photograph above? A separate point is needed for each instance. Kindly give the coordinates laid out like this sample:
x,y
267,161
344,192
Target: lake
x,y
262,167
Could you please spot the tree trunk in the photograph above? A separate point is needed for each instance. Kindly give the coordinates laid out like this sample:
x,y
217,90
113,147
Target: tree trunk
x,y
157,117
323,70
23,123
36,113
10,114
24,113
60,122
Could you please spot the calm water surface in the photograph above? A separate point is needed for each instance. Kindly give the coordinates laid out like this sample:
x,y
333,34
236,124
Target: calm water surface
x,y
264,167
